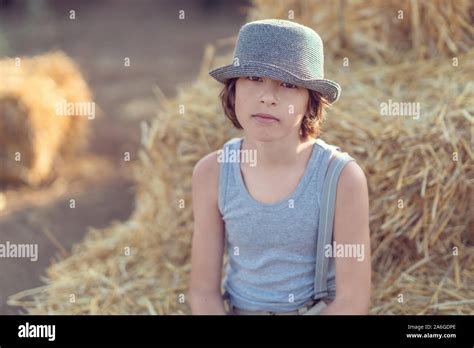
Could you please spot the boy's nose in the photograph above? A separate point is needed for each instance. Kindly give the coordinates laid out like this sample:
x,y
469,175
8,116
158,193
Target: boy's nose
x,y
267,95
268,99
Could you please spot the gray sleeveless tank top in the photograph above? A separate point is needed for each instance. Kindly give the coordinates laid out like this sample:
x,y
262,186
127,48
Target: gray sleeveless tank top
x,y
272,247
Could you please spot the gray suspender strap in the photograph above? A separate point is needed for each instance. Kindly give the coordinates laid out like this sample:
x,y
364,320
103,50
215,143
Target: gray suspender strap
x,y
326,219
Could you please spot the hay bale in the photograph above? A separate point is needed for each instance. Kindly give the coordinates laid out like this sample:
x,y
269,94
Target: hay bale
x,y
32,132
388,31
419,174
141,266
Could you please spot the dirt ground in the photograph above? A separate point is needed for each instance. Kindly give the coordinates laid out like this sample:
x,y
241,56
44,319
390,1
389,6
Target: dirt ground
x,y
163,51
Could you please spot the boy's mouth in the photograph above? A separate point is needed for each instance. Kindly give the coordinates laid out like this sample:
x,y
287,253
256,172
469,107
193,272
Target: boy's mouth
x,y
265,117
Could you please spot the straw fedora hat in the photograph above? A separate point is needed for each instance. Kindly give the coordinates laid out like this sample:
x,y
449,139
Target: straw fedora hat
x,y
281,50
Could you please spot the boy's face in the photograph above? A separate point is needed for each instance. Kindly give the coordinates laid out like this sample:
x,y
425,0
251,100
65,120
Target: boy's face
x,y
286,102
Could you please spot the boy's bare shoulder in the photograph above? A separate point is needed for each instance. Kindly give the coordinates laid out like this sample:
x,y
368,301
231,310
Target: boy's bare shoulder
x,y
206,169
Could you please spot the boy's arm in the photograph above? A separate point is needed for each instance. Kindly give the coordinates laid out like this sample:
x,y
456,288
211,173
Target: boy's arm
x,y
351,226
208,240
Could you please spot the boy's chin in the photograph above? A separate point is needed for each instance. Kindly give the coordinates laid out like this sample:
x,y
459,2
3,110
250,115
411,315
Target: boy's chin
x,y
263,135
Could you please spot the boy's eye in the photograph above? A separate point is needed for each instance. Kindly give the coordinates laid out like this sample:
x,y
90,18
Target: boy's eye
x,y
253,78
289,85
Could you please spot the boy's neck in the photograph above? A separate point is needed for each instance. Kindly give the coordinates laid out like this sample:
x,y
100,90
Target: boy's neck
x,y
280,153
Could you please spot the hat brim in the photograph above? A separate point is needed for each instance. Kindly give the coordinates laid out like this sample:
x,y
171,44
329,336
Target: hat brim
x,y
330,90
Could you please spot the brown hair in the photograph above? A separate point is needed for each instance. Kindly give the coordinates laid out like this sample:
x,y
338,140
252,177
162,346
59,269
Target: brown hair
x,y
312,120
